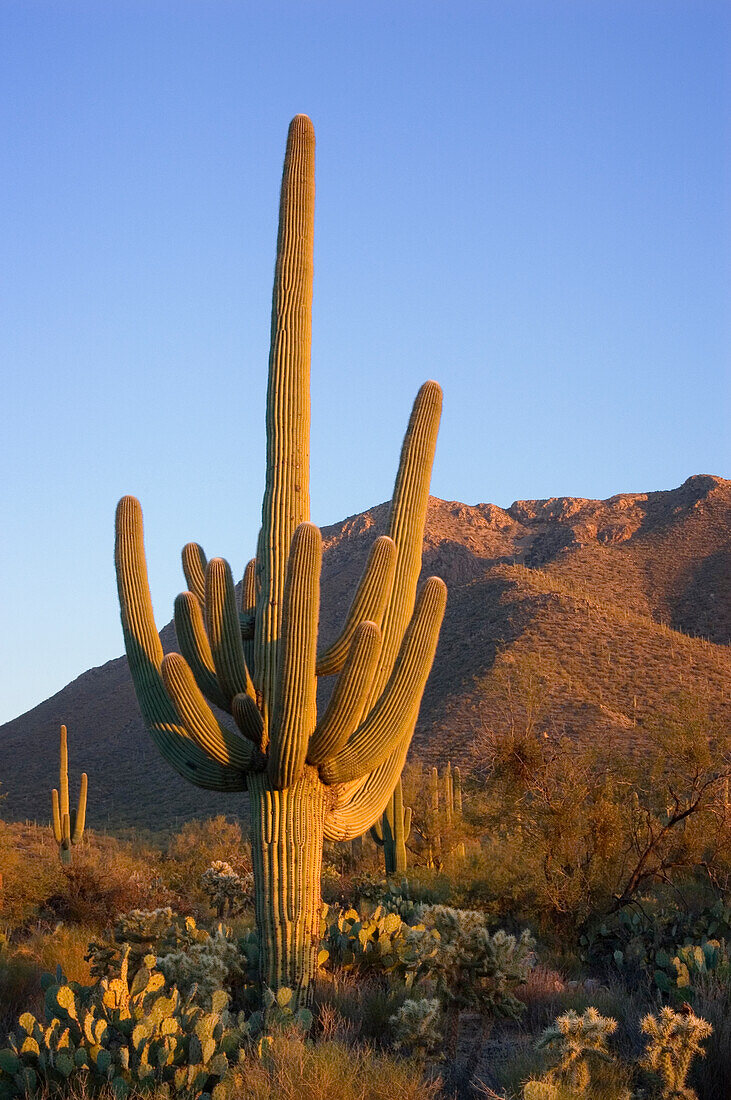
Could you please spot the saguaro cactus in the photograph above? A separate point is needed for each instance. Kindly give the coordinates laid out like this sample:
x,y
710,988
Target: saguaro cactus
x,y
392,831
445,811
308,777
68,825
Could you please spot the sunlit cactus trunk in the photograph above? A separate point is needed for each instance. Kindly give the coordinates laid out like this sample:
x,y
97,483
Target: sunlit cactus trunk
x,y
310,777
287,831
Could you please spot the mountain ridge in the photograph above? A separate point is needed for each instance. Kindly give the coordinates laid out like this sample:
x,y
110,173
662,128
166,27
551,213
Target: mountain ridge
x,y
611,599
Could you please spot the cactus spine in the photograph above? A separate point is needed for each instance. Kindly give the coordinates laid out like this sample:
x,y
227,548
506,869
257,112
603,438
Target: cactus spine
x,y
308,778
68,825
392,831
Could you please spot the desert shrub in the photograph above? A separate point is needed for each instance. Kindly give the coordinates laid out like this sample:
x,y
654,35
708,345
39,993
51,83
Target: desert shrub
x,y
585,829
361,1004
200,843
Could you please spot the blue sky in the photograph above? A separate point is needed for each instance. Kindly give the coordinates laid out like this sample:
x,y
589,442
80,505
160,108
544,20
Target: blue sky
x,y
525,201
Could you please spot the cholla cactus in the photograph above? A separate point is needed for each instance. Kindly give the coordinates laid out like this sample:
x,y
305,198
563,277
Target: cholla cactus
x,y
577,1043
309,777
473,968
226,889
417,1027
68,825
675,1039
209,964
186,954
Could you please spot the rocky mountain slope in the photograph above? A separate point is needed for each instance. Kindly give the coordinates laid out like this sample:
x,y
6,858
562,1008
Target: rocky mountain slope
x,y
610,606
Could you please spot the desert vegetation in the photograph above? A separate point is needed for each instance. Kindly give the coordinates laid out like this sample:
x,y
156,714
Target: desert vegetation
x,y
547,919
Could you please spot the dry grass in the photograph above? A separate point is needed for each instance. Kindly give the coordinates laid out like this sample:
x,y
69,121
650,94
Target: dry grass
x,y
295,1070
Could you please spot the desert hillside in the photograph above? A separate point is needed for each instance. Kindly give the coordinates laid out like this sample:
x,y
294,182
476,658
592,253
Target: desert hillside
x,y
612,605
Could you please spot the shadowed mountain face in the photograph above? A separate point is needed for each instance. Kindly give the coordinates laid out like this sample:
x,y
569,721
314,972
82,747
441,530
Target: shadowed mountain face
x,y
612,604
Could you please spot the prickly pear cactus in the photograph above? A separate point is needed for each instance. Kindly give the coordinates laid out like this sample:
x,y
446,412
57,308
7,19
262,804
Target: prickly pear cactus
x,y
309,776
130,1034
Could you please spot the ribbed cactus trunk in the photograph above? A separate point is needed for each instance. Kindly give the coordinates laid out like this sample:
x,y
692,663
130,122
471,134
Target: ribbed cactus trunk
x,y
287,831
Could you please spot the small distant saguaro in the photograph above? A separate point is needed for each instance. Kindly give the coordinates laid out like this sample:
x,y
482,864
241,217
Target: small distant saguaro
x,y
68,825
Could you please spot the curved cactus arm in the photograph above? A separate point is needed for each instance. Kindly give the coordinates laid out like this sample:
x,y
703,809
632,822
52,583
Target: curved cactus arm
x,y
144,654
407,823
194,570
345,709
223,745
247,618
457,788
249,720
196,649
295,706
376,831
406,524
386,724
56,816
359,805
224,631
77,828
369,603
287,495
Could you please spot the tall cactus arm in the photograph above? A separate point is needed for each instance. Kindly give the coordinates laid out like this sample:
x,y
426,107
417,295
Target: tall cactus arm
x,y
56,814
63,773
369,603
144,654
248,589
373,741
77,829
407,823
224,631
196,649
406,524
457,784
359,805
345,709
223,745
287,495
194,570
248,613
295,708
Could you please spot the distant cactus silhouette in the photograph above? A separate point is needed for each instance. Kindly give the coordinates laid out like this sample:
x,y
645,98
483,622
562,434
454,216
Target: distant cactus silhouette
x,y
68,825
308,778
445,810
392,832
